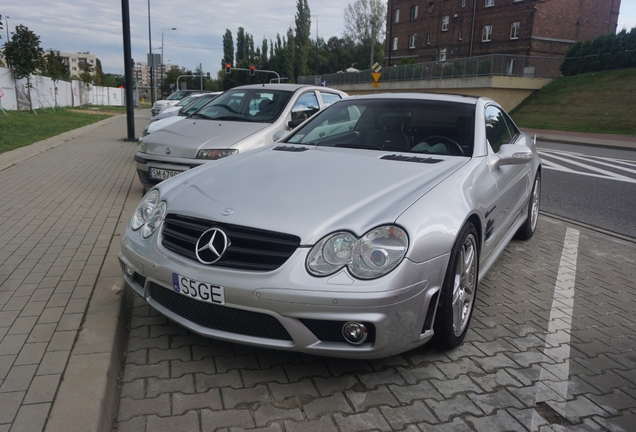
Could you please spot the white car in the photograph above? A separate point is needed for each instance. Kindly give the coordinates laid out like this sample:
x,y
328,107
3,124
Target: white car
x,y
172,100
175,113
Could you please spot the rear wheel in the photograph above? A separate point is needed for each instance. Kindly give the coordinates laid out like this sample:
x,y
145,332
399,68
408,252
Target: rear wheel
x,y
526,231
457,300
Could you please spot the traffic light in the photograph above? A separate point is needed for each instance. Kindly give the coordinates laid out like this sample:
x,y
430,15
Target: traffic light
x,y
252,70
228,68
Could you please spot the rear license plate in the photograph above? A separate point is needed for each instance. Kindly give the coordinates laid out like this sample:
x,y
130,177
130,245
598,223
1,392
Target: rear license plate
x,y
202,291
162,174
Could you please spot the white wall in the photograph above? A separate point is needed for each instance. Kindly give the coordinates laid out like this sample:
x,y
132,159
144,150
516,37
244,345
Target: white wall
x,y
69,94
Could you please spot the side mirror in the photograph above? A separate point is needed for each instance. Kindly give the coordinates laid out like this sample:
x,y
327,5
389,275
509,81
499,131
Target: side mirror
x,y
511,154
293,123
279,135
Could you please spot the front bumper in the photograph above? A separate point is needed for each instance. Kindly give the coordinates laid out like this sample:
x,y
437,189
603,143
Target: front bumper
x,y
288,309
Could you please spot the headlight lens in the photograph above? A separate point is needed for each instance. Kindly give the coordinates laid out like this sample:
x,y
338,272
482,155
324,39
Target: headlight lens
x,y
373,255
215,154
149,214
141,145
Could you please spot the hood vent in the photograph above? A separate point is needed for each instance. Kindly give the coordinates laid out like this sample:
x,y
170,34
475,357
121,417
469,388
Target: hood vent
x,y
290,148
417,159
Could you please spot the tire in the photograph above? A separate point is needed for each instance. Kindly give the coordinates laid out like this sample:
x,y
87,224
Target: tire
x,y
459,290
526,231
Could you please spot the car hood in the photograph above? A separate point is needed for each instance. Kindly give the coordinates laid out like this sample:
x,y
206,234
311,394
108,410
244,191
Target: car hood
x,y
162,123
187,136
307,193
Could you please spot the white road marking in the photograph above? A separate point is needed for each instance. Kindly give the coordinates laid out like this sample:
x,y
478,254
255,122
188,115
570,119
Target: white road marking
x,y
554,376
596,172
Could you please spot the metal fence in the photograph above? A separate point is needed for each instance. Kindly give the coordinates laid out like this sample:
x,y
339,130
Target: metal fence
x,y
599,62
489,65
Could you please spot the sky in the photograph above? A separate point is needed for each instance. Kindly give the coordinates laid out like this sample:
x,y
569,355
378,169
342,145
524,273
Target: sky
x,y
96,26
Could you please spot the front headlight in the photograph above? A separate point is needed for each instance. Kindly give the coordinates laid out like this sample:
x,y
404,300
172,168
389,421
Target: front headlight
x,y
373,255
149,214
215,154
141,145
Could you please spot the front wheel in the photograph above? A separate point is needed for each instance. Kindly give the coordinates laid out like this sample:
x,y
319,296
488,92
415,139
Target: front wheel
x,y
526,231
459,290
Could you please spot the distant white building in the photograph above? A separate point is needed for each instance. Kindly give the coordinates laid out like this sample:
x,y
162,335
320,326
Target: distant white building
x,y
77,61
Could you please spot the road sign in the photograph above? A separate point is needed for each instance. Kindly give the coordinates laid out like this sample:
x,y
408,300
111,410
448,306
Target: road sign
x,y
376,76
375,84
376,67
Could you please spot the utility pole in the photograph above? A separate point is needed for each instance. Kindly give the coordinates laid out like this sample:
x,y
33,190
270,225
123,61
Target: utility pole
x,y
151,64
372,43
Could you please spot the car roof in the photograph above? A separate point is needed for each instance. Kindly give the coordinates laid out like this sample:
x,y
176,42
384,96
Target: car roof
x,y
288,87
447,97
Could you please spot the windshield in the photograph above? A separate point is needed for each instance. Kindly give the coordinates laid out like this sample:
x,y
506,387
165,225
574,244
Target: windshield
x,y
254,105
196,104
401,125
178,95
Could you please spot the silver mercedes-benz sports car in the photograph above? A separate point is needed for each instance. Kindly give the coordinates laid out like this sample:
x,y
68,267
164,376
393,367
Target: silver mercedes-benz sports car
x,y
362,234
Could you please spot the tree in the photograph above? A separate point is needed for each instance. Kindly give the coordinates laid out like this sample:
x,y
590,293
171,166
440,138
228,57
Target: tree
x,y
86,76
24,54
301,38
228,48
54,68
364,21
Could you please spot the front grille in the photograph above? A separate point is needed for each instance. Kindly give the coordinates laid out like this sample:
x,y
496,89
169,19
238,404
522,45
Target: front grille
x,y
219,317
140,279
416,159
331,331
250,249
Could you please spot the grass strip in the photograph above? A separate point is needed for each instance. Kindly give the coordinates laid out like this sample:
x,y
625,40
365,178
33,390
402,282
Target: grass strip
x,y
21,128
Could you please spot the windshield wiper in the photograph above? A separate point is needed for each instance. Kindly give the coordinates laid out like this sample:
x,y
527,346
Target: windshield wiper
x,y
199,115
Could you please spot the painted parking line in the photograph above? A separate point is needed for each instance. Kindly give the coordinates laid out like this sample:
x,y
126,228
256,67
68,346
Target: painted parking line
x,y
557,343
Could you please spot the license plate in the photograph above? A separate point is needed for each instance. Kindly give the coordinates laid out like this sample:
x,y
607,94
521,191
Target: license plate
x,y
201,291
162,174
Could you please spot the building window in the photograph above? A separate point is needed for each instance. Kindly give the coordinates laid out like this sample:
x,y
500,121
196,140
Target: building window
x,y
486,34
514,30
74,60
430,7
428,38
445,21
395,44
442,54
396,16
90,61
412,41
490,3
463,3
414,12
74,68
510,67
460,35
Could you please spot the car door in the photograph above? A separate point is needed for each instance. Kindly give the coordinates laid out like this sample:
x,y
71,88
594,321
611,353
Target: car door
x,y
305,106
512,180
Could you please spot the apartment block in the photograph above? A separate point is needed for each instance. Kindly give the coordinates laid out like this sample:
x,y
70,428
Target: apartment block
x,y
427,30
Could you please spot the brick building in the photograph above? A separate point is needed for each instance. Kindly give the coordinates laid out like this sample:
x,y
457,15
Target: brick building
x,y
426,30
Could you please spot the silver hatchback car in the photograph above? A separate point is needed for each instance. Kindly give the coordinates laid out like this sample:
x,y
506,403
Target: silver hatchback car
x,y
362,234
240,119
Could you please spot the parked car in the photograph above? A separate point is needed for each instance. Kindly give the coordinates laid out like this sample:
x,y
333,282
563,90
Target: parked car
x,y
172,99
166,110
240,119
362,234
175,113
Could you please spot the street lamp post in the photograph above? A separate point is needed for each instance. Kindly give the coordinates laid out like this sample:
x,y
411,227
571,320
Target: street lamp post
x,y
152,62
6,20
162,64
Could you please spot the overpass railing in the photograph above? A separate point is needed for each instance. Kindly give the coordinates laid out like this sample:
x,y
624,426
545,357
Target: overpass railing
x,y
489,65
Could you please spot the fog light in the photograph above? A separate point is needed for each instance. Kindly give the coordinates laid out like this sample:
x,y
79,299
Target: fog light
x,y
129,272
354,333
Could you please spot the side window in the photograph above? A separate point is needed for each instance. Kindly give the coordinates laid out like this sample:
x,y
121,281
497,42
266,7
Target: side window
x,y
305,106
329,98
511,126
496,128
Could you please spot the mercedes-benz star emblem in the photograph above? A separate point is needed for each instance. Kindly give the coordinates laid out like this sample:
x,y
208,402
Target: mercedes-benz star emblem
x,y
211,246
168,151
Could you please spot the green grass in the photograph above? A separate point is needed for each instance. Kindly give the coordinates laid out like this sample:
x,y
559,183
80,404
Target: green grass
x,y
21,128
595,102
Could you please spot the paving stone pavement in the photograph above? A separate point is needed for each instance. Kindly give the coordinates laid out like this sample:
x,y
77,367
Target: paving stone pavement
x,y
61,201
525,365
